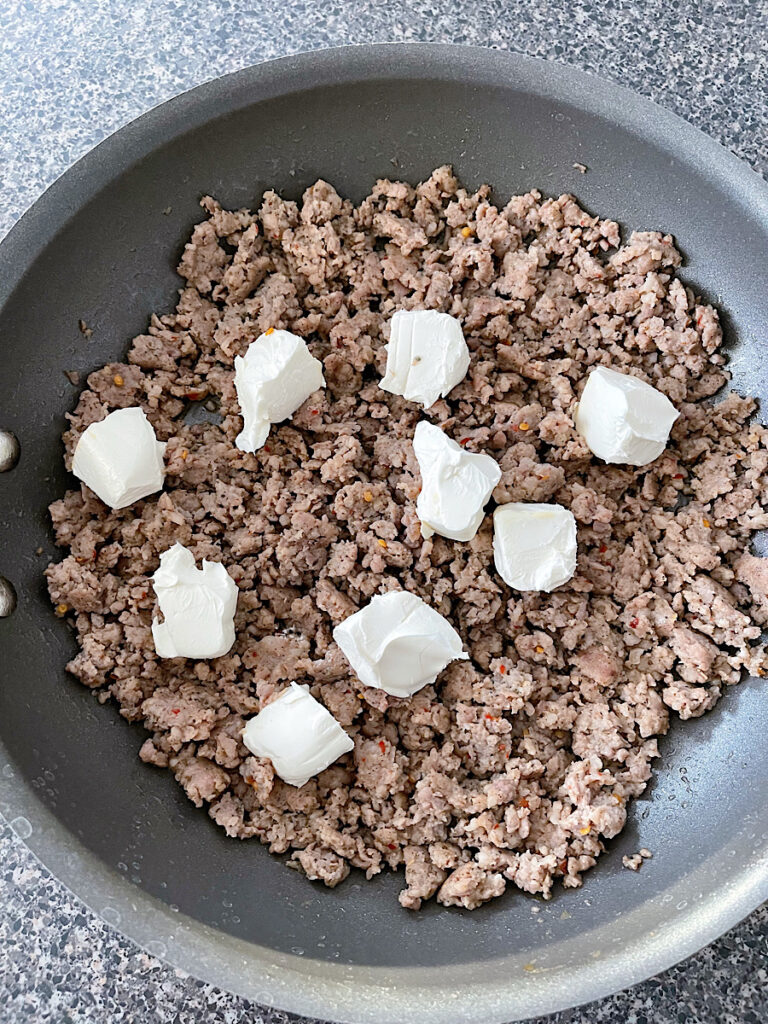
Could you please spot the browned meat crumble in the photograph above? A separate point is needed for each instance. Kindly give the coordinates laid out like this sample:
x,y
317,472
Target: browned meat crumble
x,y
518,764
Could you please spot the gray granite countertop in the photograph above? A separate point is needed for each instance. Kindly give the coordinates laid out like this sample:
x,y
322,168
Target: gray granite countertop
x,y
71,72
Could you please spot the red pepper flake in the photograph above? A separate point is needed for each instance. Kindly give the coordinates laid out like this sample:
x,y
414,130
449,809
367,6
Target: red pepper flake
x,y
267,449
492,718
563,865
313,412
95,553
678,476
523,803
633,623
502,669
382,746
143,595
175,711
391,846
465,440
193,396
515,426
602,549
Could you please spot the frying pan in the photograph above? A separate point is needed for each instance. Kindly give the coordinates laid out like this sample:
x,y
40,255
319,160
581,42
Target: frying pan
x,y
101,246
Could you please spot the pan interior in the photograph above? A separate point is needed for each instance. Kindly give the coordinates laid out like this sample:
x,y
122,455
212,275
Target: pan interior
x,y
110,263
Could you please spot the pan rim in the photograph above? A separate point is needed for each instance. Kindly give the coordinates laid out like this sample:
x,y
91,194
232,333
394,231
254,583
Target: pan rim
x,y
290,982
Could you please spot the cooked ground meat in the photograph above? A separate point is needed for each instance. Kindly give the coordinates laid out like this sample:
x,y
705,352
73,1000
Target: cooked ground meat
x,y
635,861
518,764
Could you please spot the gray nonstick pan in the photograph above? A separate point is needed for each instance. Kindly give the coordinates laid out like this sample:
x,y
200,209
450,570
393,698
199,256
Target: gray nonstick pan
x,y
101,246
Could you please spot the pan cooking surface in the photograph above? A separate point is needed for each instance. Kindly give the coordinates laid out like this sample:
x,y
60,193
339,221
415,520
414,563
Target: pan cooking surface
x,y
97,247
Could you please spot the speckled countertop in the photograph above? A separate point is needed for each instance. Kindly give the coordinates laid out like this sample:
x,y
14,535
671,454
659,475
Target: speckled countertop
x,y
71,72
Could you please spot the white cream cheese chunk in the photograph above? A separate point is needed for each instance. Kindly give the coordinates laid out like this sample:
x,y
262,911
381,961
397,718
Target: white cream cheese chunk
x,y
120,458
427,356
274,377
298,735
534,546
455,484
397,643
623,419
198,607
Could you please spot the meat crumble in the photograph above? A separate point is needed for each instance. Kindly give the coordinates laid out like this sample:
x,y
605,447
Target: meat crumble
x,y
517,765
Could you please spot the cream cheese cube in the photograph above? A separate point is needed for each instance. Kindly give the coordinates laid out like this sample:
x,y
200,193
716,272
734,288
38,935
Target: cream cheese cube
x,y
198,607
455,484
397,643
298,734
120,459
534,545
276,375
623,419
427,356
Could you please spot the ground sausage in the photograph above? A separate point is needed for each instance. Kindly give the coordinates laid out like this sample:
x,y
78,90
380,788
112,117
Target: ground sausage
x,y
516,765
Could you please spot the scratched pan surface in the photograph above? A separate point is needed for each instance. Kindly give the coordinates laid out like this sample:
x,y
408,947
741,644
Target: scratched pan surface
x,y
97,246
